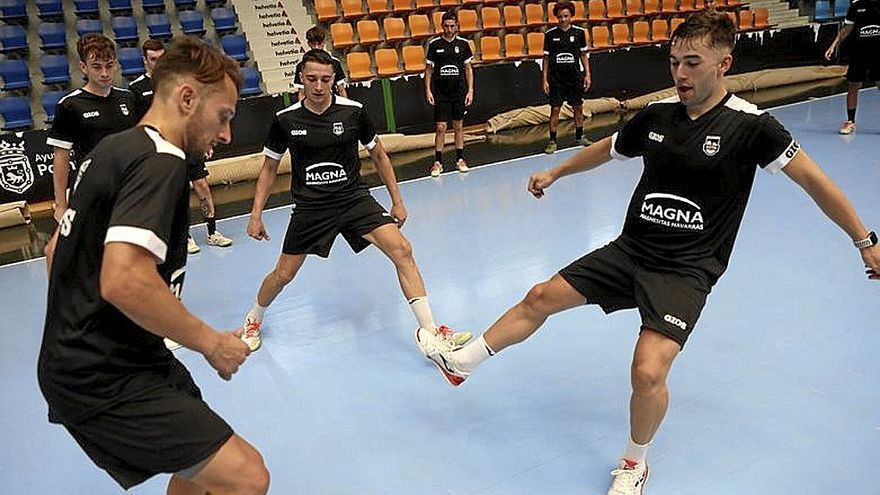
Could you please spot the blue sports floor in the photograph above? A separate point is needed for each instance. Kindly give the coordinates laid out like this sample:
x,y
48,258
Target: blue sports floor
x,y
776,393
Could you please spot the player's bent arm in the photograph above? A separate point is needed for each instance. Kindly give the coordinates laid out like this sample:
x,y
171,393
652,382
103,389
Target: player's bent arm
x,y
827,195
60,173
264,185
841,35
386,172
588,158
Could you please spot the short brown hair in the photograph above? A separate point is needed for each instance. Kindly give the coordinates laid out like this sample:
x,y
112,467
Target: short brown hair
x,y
95,44
315,35
189,56
449,16
717,26
152,45
564,5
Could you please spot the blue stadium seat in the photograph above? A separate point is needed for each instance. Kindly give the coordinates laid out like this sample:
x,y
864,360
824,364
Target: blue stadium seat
x,y
49,9
55,69
50,102
840,8
86,8
224,20
86,26
13,10
158,25
215,3
53,35
192,22
235,46
13,39
184,4
15,74
16,112
251,85
154,5
120,6
124,28
131,61
823,10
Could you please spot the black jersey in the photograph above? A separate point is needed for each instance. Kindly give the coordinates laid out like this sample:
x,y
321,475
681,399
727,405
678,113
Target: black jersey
x,y
447,60
142,90
337,69
82,119
131,189
688,205
563,50
323,148
864,17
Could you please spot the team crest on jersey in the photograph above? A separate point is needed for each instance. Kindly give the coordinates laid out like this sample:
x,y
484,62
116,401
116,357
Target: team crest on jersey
x,y
123,108
711,145
16,174
571,39
338,129
457,49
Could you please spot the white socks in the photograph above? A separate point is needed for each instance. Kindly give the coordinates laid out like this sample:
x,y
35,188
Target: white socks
x,y
422,310
257,311
636,452
468,357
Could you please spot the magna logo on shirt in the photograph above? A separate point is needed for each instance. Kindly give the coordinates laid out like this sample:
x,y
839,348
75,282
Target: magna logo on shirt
x,y
564,58
673,211
869,31
89,115
324,173
449,71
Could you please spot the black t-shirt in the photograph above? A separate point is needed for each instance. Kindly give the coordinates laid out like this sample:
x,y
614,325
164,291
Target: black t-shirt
x,y
131,189
447,60
337,69
82,119
142,90
563,50
864,16
688,206
326,169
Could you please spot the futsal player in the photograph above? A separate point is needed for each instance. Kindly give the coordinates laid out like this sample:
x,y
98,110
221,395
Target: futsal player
x,y
114,291
142,87
322,133
565,73
700,151
449,88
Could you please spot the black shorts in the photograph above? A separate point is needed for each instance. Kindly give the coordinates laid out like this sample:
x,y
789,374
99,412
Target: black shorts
x,y
164,430
668,302
448,108
571,92
313,231
863,67
195,170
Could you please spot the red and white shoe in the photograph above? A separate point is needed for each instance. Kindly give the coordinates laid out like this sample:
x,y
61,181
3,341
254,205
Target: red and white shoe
x,y
439,349
251,333
629,479
848,127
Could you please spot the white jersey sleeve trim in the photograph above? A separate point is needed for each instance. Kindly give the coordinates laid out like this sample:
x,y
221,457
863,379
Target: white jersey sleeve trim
x,y
614,153
163,146
372,144
295,106
144,238
271,154
351,103
59,143
785,158
71,94
847,21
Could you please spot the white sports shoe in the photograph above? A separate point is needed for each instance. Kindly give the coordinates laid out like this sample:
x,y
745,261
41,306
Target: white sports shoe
x,y
191,246
629,479
172,345
219,240
251,333
438,349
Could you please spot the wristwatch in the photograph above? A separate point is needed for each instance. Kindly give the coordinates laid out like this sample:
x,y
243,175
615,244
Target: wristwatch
x,y
871,240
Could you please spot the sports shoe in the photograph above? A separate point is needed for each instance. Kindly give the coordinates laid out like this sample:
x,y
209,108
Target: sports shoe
x,y
458,339
219,240
191,246
439,349
629,479
550,148
584,141
462,165
848,127
251,333
436,169
172,345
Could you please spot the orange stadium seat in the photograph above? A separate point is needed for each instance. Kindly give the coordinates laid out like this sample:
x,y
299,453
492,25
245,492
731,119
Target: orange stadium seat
x,y
620,34
746,20
686,6
580,13
395,29
402,6
378,7
514,46
651,7
534,14
491,17
448,3
615,9
425,4
368,32
419,27
674,23
513,17
490,46
640,32
467,21
535,42
762,18
342,34
659,30
413,59
359,66
600,37
326,10
597,11
437,18
551,17
352,9
471,2
387,62
669,7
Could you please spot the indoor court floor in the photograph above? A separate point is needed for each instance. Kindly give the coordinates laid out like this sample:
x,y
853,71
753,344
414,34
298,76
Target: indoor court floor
x,y
777,391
